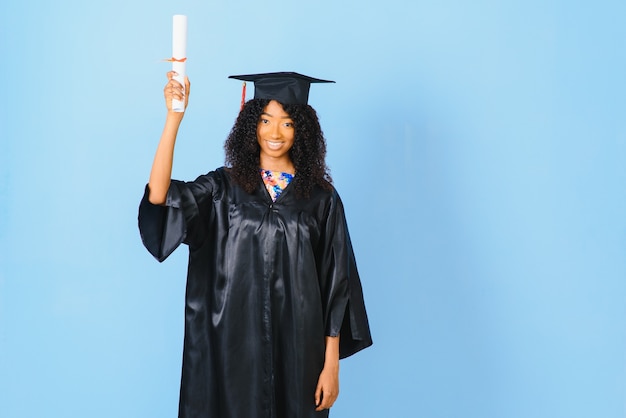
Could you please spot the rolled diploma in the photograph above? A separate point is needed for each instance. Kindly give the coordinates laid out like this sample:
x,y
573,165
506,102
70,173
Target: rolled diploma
x,y
179,52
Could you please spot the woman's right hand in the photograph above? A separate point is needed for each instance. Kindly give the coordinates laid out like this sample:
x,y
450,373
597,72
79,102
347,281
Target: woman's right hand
x,y
162,166
174,90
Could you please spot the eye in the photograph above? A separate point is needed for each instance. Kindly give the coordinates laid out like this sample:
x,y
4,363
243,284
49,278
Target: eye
x,y
264,121
289,124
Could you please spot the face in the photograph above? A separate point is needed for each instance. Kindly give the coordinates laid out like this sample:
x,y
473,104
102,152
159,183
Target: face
x,y
275,133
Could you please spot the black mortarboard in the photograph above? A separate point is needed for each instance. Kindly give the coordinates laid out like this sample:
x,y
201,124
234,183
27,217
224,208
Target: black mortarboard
x,y
287,88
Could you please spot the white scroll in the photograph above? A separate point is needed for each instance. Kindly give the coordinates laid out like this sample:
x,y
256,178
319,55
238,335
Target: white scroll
x,y
179,56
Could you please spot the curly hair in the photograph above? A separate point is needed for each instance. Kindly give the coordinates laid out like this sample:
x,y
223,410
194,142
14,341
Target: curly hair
x,y
308,152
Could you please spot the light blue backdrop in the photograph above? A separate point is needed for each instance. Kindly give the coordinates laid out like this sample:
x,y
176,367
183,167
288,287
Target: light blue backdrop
x,y
479,148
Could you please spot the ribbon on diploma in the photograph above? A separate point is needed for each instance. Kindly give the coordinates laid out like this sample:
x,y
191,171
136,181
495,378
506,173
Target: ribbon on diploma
x,y
175,59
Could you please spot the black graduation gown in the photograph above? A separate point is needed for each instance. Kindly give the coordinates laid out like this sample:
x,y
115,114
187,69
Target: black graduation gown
x,y
266,282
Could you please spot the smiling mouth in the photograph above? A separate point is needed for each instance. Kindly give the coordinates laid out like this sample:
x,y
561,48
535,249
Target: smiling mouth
x,y
274,144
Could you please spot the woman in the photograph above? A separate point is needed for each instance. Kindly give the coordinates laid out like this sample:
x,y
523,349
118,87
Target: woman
x,y
273,295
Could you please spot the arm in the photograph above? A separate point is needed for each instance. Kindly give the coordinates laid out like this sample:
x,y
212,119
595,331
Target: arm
x,y
162,166
328,383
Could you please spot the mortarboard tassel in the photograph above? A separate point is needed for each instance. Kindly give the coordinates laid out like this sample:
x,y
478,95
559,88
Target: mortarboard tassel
x,y
243,96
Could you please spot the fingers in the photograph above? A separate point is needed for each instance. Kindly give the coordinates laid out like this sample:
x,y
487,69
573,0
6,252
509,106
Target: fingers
x,y
327,388
174,90
170,78
174,84
318,395
327,402
187,90
324,399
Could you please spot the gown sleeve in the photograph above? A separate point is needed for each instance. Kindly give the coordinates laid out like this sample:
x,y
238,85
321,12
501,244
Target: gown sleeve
x,y
182,219
345,307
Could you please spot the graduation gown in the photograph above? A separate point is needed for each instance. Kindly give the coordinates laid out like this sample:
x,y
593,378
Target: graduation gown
x,y
266,282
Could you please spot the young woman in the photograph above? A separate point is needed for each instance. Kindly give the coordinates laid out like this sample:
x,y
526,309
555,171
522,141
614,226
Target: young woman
x,y
273,296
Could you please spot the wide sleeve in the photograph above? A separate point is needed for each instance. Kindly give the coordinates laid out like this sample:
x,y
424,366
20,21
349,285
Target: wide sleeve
x,y
184,218
343,294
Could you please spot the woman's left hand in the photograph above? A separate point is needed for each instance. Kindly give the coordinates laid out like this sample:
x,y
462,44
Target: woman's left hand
x,y
327,387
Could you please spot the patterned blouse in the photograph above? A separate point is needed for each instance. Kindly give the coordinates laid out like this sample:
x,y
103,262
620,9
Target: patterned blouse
x,y
275,182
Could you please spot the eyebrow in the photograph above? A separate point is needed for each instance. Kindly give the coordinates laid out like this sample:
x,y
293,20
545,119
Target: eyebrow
x,y
272,116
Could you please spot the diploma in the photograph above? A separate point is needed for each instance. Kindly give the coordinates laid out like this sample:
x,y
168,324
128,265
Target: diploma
x,y
179,56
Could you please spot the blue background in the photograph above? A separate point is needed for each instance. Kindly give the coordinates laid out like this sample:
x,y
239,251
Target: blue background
x,y
479,148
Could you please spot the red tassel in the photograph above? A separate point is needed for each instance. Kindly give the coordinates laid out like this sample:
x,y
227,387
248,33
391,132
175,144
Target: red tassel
x,y
243,96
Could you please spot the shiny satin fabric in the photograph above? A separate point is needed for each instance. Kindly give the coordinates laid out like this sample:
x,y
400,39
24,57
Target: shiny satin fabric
x,y
267,281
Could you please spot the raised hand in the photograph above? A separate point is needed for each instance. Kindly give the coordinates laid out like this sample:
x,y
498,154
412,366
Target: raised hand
x,y
174,90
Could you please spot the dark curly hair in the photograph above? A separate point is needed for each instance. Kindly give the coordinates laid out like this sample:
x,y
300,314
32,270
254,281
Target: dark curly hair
x,y
308,152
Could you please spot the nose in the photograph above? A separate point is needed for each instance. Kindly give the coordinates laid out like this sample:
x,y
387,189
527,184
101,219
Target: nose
x,y
275,131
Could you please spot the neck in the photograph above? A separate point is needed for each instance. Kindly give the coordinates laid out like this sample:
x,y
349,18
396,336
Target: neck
x,y
277,164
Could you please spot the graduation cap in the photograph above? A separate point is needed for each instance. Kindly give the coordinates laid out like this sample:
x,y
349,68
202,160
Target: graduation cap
x,y
285,87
